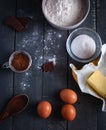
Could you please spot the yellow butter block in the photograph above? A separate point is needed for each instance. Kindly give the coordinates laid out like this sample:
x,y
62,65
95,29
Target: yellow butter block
x,y
98,82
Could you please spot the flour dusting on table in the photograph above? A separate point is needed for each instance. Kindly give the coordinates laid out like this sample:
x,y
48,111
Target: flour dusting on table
x,y
41,48
25,83
37,47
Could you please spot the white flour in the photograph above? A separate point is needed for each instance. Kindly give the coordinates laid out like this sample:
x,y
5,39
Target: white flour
x,y
63,12
25,81
41,48
32,42
83,46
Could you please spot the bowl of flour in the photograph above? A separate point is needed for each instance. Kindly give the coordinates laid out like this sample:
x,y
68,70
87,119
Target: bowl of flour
x,y
65,14
84,45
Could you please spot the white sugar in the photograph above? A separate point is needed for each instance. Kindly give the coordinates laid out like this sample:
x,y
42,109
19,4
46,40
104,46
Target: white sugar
x,y
83,46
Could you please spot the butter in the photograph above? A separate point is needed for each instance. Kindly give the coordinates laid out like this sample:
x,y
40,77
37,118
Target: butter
x,y
97,81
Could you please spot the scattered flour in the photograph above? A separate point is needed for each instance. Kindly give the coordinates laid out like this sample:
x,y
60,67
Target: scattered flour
x,y
63,12
25,84
53,60
41,48
60,35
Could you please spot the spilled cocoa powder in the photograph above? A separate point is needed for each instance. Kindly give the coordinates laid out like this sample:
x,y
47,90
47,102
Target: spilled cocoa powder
x,y
20,61
48,67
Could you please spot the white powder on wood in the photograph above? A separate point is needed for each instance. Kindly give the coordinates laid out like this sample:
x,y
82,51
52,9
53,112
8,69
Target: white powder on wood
x,y
63,12
83,46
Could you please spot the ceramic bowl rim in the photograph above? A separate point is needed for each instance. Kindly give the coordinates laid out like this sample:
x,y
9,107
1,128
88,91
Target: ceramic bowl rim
x,y
98,45
66,27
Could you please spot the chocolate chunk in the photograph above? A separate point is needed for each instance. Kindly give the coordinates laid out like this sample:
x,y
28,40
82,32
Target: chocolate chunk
x,y
24,20
14,23
48,67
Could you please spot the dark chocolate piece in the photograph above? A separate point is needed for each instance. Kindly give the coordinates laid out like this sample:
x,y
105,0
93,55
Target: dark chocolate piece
x,y
14,23
48,67
24,20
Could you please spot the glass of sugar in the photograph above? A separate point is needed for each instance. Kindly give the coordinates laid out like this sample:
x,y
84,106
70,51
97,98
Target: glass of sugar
x,y
84,45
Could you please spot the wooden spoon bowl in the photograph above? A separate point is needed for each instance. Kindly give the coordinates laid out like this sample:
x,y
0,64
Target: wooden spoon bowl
x,y
16,105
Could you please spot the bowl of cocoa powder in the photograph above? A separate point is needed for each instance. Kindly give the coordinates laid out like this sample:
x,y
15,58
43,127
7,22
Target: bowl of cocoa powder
x,y
20,61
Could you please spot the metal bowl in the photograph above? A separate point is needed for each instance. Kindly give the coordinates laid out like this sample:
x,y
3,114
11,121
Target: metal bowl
x,y
94,35
78,21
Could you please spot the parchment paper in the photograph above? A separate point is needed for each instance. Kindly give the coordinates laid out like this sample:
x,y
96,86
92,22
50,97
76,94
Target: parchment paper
x,y
85,72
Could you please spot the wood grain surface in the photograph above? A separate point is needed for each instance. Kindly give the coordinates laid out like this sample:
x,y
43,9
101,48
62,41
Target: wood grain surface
x,y
45,43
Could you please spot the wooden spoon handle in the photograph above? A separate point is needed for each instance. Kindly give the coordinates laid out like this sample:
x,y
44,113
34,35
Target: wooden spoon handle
x,y
3,116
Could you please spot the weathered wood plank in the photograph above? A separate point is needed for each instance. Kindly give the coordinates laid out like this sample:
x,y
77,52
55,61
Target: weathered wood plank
x,y
7,9
87,105
46,43
101,29
53,82
30,82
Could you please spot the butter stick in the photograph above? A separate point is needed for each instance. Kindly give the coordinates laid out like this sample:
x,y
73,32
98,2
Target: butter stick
x,y
97,81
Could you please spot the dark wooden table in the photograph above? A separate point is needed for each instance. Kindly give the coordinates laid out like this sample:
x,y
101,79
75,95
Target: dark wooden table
x,y
44,42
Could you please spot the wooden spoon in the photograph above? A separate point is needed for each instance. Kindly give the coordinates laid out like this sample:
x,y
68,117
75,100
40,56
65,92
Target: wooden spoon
x,y
16,105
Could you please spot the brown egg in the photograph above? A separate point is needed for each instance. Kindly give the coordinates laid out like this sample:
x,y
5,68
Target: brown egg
x,y
44,109
68,112
68,96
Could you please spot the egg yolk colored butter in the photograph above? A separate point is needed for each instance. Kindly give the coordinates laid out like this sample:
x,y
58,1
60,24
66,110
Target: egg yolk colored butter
x,y
97,81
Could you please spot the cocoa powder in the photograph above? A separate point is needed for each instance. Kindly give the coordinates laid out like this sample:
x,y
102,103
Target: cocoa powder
x,y
20,61
48,67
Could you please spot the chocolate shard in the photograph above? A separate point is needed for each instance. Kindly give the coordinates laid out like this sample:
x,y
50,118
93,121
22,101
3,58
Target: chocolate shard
x,y
48,67
24,20
14,23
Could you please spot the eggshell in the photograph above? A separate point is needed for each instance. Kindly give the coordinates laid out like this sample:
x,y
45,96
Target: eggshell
x,y
68,112
44,109
68,96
